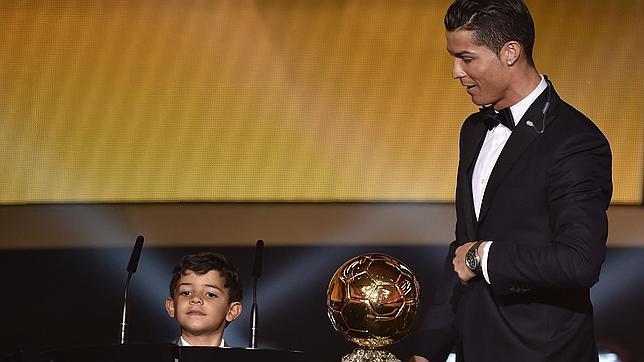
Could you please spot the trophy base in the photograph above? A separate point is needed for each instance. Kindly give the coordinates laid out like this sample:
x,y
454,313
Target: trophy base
x,y
369,355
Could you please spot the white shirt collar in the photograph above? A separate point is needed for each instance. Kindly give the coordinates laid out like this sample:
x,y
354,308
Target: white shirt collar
x,y
185,343
519,109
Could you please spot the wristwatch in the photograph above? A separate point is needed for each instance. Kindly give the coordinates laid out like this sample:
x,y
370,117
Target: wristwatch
x,y
472,259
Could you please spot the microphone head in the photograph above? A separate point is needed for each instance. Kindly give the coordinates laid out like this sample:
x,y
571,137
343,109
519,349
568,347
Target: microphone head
x,y
136,254
139,239
545,108
259,250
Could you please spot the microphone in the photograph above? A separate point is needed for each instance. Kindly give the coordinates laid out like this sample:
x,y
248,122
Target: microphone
x,y
259,251
136,254
131,269
543,111
257,272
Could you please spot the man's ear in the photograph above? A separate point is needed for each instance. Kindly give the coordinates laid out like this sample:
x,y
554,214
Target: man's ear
x,y
511,52
169,307
234,311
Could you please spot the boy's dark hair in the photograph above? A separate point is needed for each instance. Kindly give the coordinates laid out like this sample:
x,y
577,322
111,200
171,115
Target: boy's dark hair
x,y
494,23
202,263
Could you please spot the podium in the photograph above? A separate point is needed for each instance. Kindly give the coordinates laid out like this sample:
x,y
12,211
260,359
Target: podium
x,y
161,352
203,354
168,352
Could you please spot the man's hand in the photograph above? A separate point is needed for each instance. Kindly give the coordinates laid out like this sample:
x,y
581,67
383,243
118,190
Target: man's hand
x,y
418,359
464,273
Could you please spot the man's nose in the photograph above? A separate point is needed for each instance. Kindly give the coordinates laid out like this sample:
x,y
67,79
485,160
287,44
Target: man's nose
x,y
196,300
457,70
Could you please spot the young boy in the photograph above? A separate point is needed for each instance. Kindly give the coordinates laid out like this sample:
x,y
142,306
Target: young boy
x,y
205,295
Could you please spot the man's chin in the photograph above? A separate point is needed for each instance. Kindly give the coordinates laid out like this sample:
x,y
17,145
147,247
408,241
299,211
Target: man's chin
x,y
480,102
475,99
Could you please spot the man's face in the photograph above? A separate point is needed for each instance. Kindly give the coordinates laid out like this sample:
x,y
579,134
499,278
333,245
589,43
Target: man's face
x,y
478,69
201,303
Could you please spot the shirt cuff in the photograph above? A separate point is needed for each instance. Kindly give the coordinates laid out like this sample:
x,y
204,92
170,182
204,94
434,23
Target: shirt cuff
x,y
486,251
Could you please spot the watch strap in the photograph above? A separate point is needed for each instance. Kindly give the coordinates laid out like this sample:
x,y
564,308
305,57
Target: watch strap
x,y
474,250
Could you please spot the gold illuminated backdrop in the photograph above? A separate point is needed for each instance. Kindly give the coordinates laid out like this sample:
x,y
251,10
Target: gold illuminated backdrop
x,y
265,100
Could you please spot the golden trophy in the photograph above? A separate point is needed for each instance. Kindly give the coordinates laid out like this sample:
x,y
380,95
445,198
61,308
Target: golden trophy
x,y
372,301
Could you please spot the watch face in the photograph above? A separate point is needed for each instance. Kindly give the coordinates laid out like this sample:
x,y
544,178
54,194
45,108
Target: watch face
x,y
471,260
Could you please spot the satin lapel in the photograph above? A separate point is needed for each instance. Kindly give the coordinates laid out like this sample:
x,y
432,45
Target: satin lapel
x,y
521,137
473,137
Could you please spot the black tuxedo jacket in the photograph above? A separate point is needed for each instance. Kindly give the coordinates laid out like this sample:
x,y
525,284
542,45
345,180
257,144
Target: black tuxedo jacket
x,y
544,208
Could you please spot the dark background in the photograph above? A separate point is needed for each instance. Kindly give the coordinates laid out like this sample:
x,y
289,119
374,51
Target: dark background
x,y
67,298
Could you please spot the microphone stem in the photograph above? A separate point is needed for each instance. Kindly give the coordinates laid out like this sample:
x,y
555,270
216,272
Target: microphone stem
x,y
253,317
123,317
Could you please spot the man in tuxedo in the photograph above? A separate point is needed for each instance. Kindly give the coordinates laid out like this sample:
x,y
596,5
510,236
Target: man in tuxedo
x,y
533,186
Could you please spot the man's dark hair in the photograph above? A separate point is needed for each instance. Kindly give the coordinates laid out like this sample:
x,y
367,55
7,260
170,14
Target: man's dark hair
x,y
494,23
202,263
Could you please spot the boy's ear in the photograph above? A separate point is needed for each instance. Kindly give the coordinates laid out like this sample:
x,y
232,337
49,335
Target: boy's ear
x,y
234,311
169,307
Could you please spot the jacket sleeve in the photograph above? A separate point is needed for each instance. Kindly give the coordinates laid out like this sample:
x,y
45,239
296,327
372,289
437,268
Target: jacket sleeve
x,y
579,189
436,337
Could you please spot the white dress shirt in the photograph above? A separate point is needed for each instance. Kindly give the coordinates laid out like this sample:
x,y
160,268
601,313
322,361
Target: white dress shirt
x,y
184,343
495,140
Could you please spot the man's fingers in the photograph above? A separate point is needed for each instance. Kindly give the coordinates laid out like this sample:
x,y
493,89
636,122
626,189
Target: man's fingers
x,y
418,359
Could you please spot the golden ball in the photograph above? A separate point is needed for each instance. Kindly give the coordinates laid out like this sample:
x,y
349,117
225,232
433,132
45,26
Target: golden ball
x,y
372,300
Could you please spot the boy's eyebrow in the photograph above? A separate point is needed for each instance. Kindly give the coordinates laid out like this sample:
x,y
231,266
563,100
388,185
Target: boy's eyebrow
x,y
213,286
207,285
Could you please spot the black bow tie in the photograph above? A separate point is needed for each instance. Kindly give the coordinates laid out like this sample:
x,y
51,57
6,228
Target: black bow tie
x,y
493,118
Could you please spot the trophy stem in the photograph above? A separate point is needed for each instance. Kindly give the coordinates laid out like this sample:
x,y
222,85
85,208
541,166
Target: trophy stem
x,y
369,355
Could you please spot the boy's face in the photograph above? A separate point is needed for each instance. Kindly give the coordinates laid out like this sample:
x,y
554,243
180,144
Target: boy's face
x,y
201,304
